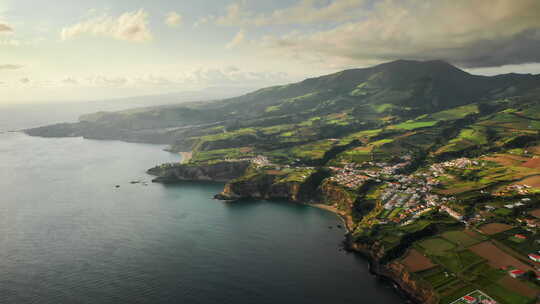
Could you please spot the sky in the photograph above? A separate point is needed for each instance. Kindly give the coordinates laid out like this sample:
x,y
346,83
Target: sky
x,y
74,50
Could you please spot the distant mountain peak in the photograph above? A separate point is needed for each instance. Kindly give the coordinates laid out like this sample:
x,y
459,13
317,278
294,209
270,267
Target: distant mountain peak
x,y
437,64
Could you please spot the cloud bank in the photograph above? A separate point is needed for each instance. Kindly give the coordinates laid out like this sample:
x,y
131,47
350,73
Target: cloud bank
x,y
478,33
130,26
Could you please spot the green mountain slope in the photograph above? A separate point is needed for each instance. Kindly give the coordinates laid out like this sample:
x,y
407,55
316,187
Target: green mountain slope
x,y
282,117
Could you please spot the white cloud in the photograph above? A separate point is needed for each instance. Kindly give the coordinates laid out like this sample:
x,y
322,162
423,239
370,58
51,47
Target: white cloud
x,y
237,40
173,19
4,28
130,26
303,12
469,33
10,66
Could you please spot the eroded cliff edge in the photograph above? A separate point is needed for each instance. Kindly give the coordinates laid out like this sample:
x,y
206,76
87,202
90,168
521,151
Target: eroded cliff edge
x,y
223,171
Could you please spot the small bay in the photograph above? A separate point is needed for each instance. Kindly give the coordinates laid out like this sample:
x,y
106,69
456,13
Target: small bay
x,y
68,234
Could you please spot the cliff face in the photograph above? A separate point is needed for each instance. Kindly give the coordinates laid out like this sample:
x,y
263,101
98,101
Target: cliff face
x,y
221,171
262,187
394,271
338,196
415,289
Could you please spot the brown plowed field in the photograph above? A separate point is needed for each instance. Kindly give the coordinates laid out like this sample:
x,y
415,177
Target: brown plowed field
x,y
535,213
494,228
533,181
533,163
498,258
507,159
415,261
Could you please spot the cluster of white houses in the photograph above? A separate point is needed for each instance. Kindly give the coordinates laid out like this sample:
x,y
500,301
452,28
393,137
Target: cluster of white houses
x,y
411,193
460,163
518,188
260,161
348,177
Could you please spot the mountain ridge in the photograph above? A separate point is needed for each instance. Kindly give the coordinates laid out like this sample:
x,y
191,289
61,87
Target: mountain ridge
x,y
402,89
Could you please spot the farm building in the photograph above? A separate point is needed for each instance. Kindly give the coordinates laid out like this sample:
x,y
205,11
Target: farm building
x,y
534,257
517,273
469,300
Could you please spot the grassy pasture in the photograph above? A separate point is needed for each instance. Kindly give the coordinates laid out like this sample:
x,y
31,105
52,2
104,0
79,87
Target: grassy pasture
x,y
412,125
455,113
461,238
436,246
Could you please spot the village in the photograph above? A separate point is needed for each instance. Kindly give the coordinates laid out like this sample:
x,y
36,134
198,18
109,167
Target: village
x,y
404,197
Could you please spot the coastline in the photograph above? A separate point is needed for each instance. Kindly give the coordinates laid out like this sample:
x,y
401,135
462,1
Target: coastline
x,y
374,268
347,221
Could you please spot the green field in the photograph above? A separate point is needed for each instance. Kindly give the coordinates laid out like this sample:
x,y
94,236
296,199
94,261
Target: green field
x,y
461,238
412,125
456,113
458,261
312,151
436,246
220,154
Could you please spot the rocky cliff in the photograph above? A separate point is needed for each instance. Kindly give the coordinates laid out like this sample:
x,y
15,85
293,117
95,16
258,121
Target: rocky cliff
x,y
262,187
415,290
220,171
422,293
338,196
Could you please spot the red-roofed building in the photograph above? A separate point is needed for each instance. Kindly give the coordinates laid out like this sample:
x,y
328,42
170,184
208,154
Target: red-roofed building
x,y
534,257
516,273
470,300
520,236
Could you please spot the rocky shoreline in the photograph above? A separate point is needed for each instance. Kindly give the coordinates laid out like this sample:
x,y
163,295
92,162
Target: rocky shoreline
x,y
238,188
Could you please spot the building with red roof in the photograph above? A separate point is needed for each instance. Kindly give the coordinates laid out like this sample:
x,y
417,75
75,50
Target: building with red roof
x,y
516,273
534,257
470,300
520,236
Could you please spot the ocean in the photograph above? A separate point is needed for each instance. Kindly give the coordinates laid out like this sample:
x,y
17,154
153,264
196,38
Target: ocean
x,y
68,234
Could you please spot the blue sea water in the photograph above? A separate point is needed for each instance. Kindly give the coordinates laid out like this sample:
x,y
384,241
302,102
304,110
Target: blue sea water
x,y
69,235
